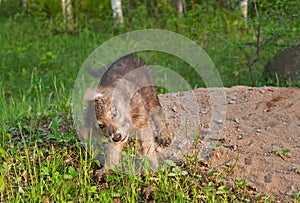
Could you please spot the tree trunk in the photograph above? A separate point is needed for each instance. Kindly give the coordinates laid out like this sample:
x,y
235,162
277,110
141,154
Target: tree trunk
x,y
244,8
180,6
117,11
23,4
67,12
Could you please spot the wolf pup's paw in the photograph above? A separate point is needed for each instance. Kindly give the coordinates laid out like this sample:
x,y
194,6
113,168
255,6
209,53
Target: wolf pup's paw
x,y
165,138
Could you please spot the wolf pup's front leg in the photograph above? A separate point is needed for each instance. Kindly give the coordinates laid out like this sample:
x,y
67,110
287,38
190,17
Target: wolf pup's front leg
x,y
147,143
163,137
114,154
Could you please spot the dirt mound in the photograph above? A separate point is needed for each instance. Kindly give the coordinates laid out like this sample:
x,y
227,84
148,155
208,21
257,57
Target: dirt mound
x,y
261,133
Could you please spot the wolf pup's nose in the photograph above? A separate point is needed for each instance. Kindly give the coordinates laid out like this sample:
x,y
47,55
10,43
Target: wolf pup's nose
x,y
117,137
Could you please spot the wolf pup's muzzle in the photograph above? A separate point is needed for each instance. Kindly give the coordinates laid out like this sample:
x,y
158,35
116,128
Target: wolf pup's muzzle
x,y
116,137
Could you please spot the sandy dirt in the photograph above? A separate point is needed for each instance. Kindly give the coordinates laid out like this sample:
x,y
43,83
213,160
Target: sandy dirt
x,y
260,133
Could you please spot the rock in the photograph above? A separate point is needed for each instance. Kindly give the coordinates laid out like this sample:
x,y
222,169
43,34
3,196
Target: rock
x,y
285,64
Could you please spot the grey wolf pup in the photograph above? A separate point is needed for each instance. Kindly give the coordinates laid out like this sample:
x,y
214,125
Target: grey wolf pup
x,y
126,104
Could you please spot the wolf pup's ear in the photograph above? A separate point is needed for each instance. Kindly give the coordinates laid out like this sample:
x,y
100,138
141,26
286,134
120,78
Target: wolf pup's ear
x,y
98,96
96,72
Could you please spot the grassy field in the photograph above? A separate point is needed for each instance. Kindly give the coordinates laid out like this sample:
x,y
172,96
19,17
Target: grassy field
x,y
41,157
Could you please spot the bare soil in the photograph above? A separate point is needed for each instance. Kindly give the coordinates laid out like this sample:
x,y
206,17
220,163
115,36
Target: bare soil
x,y
260,137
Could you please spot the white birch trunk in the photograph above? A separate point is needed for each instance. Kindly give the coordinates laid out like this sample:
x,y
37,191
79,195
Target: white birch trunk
x,y
244,8
67,12
117,11
180,6
24,3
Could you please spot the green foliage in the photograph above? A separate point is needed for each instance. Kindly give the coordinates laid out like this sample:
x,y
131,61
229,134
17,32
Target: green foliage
x,y
276,24
44,7
217,27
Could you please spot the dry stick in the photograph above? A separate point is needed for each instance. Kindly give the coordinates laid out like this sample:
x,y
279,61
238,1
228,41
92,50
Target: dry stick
x,y
250,61
258,30
256,53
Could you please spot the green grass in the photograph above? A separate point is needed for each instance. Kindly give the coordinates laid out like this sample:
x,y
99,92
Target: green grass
x,y
43,161
41,157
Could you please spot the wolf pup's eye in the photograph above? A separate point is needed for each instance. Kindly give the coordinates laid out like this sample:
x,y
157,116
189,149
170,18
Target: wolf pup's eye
x,y
101,126
114,113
